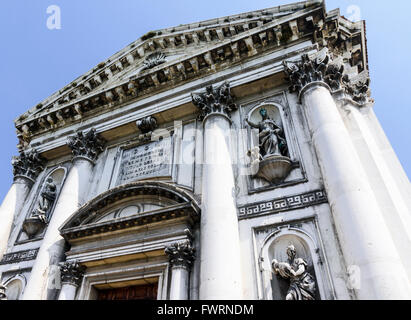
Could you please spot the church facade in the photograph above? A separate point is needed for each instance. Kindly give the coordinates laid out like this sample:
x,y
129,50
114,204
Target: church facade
x,y
235,158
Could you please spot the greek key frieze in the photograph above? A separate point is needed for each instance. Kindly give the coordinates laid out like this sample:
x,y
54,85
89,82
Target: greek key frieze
x,y
283,204
19,256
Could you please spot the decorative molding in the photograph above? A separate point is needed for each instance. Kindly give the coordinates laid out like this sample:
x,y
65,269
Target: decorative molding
x,y
86,145
214,101
28,165
283,204
19,256
147,124
181,254
71,273
154,60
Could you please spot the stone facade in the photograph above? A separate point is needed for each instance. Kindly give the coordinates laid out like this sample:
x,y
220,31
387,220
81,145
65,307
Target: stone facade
x,y
231,159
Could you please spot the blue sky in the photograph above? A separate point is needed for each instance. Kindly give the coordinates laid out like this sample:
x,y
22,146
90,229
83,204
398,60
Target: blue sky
x,y
36,61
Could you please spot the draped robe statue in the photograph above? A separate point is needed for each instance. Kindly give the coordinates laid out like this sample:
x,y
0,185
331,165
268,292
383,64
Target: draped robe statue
x,y
302,283
271,139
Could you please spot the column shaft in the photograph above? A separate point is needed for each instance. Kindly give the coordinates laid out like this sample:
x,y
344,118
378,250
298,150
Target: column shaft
x,y
179,283
220,276
68,291
51,251
363,234
10,208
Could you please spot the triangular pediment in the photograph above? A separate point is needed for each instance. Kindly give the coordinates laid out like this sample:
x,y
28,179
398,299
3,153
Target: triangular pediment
x,y
174,43
169,57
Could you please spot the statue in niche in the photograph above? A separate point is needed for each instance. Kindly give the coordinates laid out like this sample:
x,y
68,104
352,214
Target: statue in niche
x,y
48,195
271,139
302,283
270,161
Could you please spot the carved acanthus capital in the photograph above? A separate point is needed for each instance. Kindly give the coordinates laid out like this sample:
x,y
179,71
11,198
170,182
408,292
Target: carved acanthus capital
x,y
28,165
71,272
321,68
217,100
181,254
358,87
314,68
86,144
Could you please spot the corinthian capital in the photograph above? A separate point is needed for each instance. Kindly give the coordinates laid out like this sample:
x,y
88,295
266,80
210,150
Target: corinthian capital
x,y
181,254
28,165
214,100
314,68
86,145
71,272
358,87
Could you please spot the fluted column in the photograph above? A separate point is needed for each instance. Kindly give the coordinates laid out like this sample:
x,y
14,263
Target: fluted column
x,y
220,275
26,168
363,234
181,256
85,148
71,276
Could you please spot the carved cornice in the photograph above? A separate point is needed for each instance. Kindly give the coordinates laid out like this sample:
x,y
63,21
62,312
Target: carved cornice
x,y
86,145
320,68
71,272
28,165
181,254
207,47
230,44
214,101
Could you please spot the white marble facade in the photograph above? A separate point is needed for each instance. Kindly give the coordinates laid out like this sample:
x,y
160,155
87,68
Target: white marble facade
x,y
146,170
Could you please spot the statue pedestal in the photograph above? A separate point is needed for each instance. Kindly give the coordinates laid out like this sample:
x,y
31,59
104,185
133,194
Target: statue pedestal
x,y
33,226
274,168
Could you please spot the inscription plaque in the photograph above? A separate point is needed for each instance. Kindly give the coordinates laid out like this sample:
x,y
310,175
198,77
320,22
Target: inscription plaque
x,y
150,160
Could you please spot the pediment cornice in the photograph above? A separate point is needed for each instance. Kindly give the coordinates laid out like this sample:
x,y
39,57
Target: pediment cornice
x,y
197,50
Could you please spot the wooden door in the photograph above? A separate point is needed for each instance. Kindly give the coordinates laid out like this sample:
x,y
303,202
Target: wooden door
x,y
141,292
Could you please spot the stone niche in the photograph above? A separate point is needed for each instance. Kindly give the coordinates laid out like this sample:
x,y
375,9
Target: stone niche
x,y
15,286
272,243
33,227
266,171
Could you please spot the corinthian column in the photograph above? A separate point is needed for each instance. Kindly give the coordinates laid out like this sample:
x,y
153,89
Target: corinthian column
x,y
220,276
181,255
26,168
363,234
85,148
71,277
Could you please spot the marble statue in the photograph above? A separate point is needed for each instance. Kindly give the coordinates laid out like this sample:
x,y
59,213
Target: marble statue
x,y
302,283
48,195
271,139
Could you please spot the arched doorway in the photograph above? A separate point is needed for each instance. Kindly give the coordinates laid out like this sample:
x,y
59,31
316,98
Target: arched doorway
x,y
121,235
